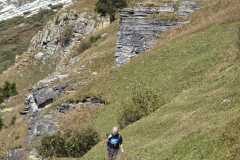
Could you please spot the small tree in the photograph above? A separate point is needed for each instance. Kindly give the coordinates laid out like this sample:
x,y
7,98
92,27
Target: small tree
x,y
9,89
110,7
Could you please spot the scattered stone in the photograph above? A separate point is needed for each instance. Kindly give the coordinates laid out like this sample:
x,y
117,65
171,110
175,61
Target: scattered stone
x,y
16,154
94,73
39,56
65,107
91,102
52,78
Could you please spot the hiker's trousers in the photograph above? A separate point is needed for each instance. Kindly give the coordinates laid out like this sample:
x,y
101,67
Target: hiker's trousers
x,y
112,153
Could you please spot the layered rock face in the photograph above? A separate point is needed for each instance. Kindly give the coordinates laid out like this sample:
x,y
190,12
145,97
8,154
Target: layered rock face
x,y
13,8
61,33
140,27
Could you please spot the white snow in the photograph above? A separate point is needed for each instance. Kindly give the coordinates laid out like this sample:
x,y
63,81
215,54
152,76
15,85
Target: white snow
x,y
13,8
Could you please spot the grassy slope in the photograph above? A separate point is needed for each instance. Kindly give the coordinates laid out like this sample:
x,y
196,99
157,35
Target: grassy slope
x,y
197,75
15,36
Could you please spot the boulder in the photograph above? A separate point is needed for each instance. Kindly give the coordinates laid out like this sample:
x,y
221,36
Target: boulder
x,y
46,95
16,154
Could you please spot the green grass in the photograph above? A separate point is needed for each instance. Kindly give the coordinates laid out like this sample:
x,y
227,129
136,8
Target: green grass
x,y
197,76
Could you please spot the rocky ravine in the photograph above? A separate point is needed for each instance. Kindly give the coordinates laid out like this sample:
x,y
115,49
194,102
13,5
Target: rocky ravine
x,y
47,44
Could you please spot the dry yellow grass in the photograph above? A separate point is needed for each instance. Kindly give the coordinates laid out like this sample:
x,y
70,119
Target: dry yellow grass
x,y
83,5
77,119
212,12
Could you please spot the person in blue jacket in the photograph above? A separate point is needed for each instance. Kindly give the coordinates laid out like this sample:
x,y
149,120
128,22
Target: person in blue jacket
x,y
114,144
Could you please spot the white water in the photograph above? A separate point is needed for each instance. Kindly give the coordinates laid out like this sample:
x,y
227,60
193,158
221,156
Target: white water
x,y
13,8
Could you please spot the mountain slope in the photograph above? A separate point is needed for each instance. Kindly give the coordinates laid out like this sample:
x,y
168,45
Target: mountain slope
x,y
195,69
197,75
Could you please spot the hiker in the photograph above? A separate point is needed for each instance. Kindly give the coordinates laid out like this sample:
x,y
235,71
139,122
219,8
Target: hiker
x,y
114,144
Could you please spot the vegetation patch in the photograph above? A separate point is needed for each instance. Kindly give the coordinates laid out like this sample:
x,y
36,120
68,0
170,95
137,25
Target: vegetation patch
x,y
69,144
67,35
110,8
16,34
232,139
8,90
169,17
1,122
86,44
144,101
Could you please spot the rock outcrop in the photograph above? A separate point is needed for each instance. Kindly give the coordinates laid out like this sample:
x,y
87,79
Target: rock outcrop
x,y
61,33
140,27
16,154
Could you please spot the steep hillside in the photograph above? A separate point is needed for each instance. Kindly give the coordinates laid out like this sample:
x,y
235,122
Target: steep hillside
x,y
70,74
196,71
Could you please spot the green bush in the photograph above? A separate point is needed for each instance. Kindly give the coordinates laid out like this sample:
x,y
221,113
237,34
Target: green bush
x,y
144,101
94,39
9,89
84,46
69,144
67,35
1,123
52,146
110,7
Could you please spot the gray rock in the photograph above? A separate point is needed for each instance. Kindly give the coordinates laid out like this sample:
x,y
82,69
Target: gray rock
x,y
50,41
16,154
89,102
139,30
44,96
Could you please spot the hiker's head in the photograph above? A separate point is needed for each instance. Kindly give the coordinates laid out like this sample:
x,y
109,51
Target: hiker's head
x,y
115,130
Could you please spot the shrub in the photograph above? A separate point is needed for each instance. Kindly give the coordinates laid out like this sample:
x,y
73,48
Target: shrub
x,y
94,39
9,89
84,46
129,115
67,35
79,143
13,121
144,101
1,123
52,146
110,7
69,144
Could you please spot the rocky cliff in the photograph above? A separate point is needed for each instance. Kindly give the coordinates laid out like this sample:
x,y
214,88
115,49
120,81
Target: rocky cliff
x,y
140,27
